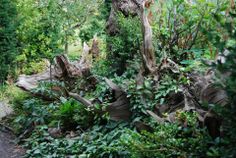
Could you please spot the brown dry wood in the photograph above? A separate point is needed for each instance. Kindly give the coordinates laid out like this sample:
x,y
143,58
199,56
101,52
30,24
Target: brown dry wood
x,y
30,82
118,110
116,89
136,7
94,51
156,117
63,69
81,99
148,57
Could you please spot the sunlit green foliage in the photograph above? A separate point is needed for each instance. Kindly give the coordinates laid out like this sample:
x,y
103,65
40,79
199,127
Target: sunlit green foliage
x,y
48,27
181,28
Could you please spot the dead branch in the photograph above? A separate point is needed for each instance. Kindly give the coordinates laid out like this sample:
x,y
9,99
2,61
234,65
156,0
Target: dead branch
x,y
156,117
84,101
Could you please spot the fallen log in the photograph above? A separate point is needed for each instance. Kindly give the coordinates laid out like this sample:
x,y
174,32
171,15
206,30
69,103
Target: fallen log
x,y
190,103
120,108
117,110
28,83
63,69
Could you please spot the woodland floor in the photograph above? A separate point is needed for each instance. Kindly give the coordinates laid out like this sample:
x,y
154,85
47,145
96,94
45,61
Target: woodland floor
x,y
7,147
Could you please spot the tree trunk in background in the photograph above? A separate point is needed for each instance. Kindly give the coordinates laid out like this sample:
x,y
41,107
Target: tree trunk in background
x,y
126,7
66,44
111,25
134,8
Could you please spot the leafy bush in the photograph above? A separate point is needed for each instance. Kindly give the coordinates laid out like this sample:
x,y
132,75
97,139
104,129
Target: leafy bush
x,y
181,27
50,89
73,114
225,43
125,44
169,140
146,96
34,67
40,31
31,113
92,27
41,144
13,94
8,40
95,25
98,142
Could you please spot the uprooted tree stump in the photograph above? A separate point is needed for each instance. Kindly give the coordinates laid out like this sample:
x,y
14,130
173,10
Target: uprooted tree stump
x,y
119,109
66,70
190,100
63,69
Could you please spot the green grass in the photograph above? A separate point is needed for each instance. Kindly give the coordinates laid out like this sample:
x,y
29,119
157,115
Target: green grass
x,y
75,50
11,93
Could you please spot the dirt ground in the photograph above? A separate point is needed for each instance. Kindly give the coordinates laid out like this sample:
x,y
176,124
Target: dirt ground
x,y
7,148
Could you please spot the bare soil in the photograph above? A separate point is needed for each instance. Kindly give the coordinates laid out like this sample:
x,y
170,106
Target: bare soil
x,y
7,147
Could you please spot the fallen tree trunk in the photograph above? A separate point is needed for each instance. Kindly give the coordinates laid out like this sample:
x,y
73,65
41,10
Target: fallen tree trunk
x,y
63,69
120,108
28,83
117,110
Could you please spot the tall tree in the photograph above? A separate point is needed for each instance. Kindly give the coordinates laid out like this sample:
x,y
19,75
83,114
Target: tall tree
x,y
8,41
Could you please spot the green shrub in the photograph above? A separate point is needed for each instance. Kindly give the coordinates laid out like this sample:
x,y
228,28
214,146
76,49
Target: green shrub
x,y
31,113
50,89
72,114
146,96
97,142
8,39
123,46
226,74
41,144
168,140
34,67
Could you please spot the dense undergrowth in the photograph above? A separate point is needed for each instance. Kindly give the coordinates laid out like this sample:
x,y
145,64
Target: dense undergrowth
x,y
191,35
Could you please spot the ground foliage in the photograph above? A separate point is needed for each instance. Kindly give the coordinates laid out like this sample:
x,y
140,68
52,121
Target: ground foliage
x,y
192,35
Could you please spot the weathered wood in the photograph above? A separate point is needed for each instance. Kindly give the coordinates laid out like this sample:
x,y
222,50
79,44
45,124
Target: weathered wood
x,y
94,51
141,126
156,117
116,89
81,99
28,83
120,108
127,7
117,110
148,56
63,69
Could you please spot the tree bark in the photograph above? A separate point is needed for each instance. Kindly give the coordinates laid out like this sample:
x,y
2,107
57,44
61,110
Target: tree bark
x,y
148,56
